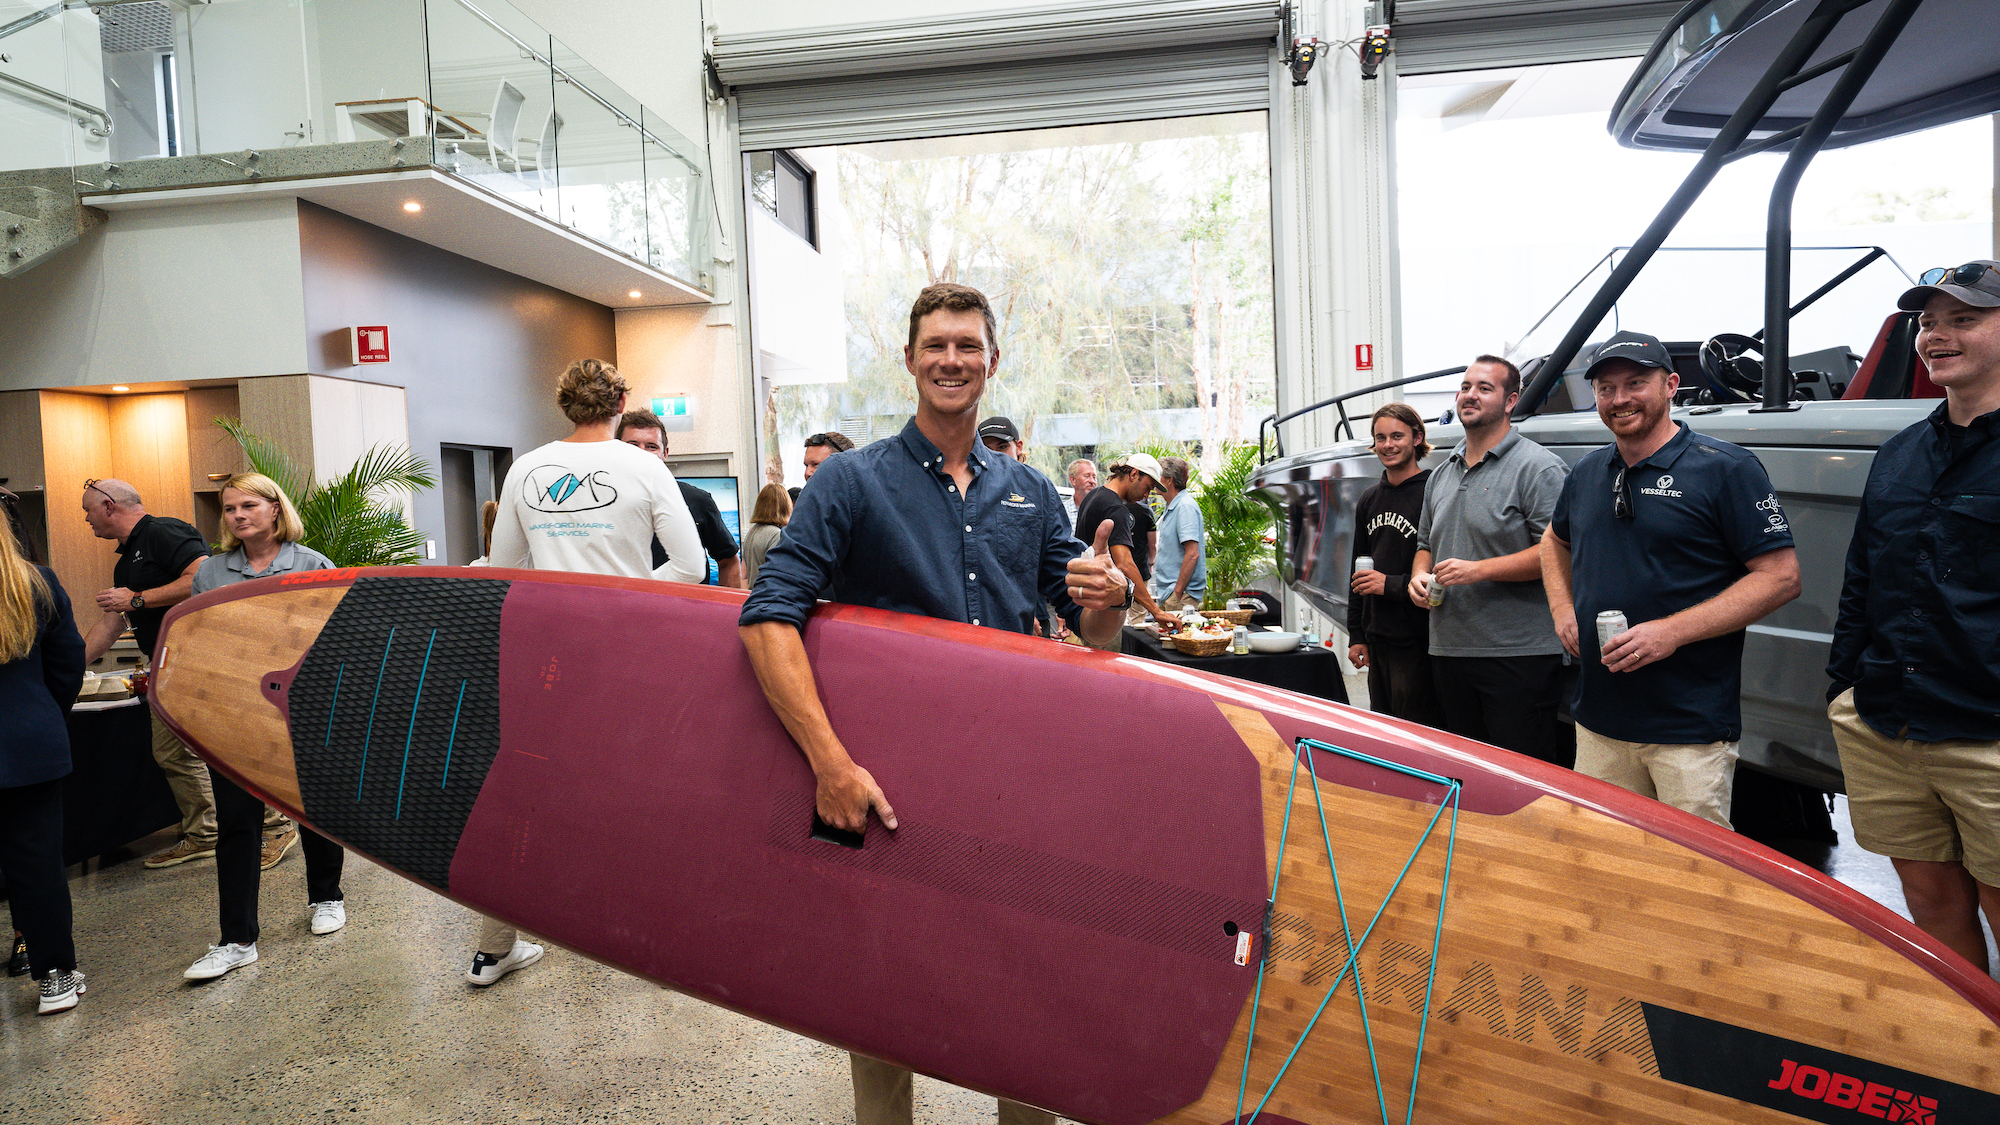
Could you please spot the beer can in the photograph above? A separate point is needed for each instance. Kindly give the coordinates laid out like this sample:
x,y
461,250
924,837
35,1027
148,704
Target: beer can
x,y
1437,592
1610,623
1365,562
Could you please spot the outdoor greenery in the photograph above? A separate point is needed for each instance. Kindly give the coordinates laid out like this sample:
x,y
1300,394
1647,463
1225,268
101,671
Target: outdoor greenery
x,y
348,519
1131,282
1236,524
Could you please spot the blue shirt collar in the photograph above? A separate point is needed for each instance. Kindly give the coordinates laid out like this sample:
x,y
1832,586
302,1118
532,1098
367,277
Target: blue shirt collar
x,y
926,453
1665,456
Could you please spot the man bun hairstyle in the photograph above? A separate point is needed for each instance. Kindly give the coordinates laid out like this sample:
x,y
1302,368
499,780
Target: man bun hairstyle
x,y
1513,373
957,298
1406,414
641,420
589,392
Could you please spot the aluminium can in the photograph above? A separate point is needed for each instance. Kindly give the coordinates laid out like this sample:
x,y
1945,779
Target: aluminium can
x,y
1610,623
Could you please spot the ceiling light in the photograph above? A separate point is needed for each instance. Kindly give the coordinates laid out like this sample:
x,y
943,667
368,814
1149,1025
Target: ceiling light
x,y
635,294
121,388
413,207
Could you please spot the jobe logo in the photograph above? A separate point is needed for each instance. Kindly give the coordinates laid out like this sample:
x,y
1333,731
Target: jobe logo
x,y
1846,1092
553,488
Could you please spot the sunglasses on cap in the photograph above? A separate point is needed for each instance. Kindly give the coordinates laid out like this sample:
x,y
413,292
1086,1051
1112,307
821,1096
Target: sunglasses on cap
x,y
1967,274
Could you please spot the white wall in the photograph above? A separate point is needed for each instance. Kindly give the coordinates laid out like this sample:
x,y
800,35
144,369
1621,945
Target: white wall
x,y
201,292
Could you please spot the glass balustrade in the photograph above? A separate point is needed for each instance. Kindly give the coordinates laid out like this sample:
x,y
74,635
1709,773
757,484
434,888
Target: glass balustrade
x,y
99,96
52,117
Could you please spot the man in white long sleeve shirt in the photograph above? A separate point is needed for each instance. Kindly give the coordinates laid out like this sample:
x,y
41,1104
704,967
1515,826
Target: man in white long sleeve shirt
x,y
589,503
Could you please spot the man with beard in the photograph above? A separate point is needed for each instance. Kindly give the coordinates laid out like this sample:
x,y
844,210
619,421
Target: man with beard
x,y
1386,635
1914,667
1683,535
1495,656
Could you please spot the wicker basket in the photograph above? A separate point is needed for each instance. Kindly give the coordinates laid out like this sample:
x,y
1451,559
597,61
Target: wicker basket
x,y
1193,646
1233,616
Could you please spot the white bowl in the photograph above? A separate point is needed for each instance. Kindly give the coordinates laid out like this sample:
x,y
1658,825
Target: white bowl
x,y
1273,642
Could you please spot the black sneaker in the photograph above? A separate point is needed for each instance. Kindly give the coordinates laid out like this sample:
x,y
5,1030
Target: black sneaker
x,y
17,963
59,992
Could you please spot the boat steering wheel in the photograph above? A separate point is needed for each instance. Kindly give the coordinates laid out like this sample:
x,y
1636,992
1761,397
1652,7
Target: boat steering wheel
x,y
1732,375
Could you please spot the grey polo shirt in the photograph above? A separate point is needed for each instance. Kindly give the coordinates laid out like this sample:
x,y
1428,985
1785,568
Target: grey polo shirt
x,y
231,567
1484,511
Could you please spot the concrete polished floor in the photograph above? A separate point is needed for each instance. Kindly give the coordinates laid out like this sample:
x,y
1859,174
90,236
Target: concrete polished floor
x,y
376,1023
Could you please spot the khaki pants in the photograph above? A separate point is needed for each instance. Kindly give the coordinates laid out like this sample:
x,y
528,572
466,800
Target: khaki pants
x,y
496,938
187,776
1935,802
1173,604
1698,778
882,1097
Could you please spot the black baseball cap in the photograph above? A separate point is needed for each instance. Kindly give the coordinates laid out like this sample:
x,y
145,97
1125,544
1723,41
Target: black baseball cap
x,y
1975,283
999,427
1636,347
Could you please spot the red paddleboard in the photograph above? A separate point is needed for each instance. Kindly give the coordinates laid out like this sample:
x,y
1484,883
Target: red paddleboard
x,y
1122,891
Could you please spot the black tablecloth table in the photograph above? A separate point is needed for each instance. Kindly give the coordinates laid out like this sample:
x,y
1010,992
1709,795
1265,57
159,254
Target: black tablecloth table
x,y
1314,671
115,793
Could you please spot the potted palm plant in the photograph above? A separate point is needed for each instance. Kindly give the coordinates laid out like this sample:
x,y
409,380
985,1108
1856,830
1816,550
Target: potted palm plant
x,y
348,519
1237,524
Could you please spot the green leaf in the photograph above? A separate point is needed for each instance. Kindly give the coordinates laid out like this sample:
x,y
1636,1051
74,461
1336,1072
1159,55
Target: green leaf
x,y
346,518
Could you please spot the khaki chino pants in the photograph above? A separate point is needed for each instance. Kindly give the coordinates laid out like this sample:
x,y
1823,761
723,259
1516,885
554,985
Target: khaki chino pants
x,y
882,1097
1699,778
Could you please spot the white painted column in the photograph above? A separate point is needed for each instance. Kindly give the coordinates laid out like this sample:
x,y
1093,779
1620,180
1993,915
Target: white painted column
x,y
1333,201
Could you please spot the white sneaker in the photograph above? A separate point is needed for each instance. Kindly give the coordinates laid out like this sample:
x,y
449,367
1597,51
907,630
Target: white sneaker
x,y
328,916
221,959
59,991
486,970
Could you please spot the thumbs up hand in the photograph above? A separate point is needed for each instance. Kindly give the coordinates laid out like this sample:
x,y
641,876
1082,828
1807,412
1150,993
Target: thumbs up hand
x,y
1095,582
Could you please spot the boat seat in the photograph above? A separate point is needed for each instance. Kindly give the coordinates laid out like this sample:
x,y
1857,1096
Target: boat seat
x,y
1893,370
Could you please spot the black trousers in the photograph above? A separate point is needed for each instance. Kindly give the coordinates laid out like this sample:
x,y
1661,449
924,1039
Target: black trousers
x,y
1509,701
31,842
239,853
1400,681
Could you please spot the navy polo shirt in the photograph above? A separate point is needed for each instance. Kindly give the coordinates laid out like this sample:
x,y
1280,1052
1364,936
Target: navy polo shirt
x,y
1701,510
887,526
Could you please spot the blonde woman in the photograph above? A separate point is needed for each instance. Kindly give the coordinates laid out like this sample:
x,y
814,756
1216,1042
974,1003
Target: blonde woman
x,y
767,526
41,667
260,538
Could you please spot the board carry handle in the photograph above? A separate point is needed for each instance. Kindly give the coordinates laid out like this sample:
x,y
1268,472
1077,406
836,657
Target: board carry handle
x,y
827,833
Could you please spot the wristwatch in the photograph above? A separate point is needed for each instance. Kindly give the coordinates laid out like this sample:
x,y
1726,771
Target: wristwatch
x,y
138,600
1130,587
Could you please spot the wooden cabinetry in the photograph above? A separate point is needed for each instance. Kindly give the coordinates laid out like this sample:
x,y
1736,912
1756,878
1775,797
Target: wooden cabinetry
x,y
212,453
21,440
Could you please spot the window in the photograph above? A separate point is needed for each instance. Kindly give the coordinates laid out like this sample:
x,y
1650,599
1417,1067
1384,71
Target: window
x,y
782,185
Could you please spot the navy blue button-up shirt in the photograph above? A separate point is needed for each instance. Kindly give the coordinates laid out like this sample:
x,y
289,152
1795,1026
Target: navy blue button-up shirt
x,y
1701,510
887,526
1921,605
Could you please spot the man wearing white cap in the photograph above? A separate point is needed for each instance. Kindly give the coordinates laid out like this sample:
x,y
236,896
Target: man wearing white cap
x,y
1132,480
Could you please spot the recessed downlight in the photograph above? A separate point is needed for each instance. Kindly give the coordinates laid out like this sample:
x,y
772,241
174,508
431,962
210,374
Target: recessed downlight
x,y
635,294
121,388
413,207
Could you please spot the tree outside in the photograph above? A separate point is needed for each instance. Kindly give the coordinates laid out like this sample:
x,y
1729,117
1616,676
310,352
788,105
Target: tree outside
x,y
1131,281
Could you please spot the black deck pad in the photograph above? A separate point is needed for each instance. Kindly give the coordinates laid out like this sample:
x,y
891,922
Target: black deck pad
x,y
395,717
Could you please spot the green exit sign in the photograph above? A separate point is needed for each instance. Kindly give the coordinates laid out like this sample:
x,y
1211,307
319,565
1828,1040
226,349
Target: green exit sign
x,y
674,412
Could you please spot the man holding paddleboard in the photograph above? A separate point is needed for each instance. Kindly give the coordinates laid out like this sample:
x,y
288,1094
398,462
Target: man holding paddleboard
x,y
929,522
